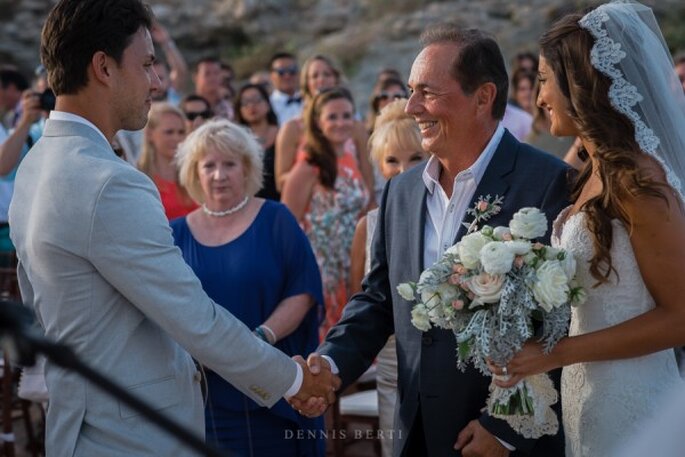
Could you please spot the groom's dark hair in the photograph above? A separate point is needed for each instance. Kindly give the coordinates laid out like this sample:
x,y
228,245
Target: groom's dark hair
x,y
77,29
478,61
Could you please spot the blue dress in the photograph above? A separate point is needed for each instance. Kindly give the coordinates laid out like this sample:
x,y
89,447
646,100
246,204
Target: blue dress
x,y
271,261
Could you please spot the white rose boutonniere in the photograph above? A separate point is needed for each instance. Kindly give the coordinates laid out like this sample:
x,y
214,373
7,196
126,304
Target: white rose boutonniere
x,y
551,288
528,223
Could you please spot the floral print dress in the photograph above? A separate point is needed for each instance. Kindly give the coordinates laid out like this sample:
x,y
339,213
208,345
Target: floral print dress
x,y
329,222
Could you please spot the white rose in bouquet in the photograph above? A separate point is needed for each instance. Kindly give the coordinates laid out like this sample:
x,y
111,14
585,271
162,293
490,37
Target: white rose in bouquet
x,y
487,287
502,233
496,258
430,297
419,318
528,223
469,249
406,291
453,250
551,288
519,247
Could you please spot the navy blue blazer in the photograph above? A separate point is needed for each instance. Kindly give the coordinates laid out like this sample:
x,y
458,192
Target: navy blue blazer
x,y
428,376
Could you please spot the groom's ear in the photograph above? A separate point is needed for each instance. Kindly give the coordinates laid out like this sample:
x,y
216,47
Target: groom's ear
x,y
485,96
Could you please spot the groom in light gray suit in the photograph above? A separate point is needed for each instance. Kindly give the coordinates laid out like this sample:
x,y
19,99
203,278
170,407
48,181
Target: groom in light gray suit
x,y
97,262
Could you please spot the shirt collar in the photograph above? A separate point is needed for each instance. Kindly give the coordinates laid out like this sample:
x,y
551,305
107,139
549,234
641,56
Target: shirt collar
x,y
278,95
431,173
71,117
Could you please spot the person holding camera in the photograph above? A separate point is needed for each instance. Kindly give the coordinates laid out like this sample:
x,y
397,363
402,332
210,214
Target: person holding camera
x,y
25,133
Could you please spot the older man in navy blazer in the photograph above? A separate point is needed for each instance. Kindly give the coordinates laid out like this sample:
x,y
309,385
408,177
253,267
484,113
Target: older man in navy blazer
x,y
459,91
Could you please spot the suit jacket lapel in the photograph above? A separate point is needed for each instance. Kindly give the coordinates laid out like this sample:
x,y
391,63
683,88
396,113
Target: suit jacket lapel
x,y
494,181
417,199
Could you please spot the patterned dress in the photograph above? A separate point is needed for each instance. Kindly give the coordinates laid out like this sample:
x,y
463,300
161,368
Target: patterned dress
x,y
329,222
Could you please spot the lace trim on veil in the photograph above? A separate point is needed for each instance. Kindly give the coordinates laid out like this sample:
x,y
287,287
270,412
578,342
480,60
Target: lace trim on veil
x,y
605,55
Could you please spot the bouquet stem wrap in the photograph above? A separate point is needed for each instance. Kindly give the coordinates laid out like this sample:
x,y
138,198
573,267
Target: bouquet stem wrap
x,y
527,406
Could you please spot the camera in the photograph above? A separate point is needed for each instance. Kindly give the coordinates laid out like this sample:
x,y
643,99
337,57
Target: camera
x,y
47,100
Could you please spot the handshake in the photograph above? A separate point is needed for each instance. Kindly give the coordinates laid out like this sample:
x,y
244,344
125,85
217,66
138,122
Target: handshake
x,y
318,386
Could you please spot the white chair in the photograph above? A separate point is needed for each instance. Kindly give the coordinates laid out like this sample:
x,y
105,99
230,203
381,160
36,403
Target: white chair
x,y
359,405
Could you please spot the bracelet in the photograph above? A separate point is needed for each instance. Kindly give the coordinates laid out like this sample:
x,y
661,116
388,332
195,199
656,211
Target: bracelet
x,y
259,333
270,332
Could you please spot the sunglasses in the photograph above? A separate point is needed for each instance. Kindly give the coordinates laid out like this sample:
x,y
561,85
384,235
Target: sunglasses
x,y
285,71
383,96
194,115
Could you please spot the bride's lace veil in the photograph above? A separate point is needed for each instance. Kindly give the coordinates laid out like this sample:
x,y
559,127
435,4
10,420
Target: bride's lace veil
x,y
630,49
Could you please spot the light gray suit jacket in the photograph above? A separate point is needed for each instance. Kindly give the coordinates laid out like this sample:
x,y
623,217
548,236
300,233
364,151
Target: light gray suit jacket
x,y
98,265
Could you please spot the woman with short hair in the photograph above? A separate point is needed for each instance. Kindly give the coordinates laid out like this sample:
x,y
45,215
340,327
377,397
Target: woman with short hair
x,y
253,259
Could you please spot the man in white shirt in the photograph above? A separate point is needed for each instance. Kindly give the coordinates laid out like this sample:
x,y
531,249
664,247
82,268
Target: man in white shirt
x,y
286,100
97,262
459,93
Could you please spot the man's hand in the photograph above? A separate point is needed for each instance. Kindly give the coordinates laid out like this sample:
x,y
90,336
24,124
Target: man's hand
x,y
318,388
30,108
476,441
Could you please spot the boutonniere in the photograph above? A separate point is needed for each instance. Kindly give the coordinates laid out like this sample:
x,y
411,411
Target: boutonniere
x,y
483,210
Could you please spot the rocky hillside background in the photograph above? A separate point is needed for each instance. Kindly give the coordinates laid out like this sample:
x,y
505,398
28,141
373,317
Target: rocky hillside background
x,y
364,35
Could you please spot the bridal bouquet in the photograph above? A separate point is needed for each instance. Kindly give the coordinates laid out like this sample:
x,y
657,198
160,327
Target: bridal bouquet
x,y
489,288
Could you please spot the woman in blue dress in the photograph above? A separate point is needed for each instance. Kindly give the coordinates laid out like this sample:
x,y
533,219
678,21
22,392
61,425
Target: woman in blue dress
x,y
252,258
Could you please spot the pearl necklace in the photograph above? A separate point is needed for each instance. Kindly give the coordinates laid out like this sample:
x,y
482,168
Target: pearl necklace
x,y
225,212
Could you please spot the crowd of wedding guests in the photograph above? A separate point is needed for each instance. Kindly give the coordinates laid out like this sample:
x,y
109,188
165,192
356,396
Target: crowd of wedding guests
x,y
270,187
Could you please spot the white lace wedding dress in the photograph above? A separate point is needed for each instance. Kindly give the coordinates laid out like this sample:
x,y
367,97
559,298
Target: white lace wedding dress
x,y
604,403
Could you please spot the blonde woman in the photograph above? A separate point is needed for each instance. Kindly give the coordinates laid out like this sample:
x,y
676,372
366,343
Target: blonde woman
x,y
253,259
395,147
318,73
165,129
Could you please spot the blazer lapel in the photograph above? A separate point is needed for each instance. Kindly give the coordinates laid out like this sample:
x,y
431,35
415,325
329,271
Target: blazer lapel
x,y
494,181
417,199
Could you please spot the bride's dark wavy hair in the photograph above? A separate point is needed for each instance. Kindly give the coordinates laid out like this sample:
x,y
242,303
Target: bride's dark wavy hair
x,y
566,47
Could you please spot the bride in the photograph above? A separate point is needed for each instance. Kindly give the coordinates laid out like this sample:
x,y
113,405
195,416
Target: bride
x,y
607,77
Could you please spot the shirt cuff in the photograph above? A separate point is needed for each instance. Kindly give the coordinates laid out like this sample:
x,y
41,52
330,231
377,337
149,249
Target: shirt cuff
x,y
297,384
334,367
506,445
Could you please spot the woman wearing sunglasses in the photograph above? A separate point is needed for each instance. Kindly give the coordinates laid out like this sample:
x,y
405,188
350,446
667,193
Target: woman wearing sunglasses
x,y
253,110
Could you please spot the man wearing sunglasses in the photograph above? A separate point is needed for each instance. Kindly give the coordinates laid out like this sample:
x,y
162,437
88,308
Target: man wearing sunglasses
x,y
285,98
197,111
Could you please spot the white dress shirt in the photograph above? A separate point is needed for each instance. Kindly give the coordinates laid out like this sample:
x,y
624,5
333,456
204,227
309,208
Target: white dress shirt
x,y
284,110
71,117
445,214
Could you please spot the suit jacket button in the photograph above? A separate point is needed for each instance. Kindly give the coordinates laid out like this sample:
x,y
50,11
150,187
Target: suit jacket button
x,y
427,340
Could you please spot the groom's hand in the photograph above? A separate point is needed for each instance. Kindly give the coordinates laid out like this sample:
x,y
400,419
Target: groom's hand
x,y
475,441
317,391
